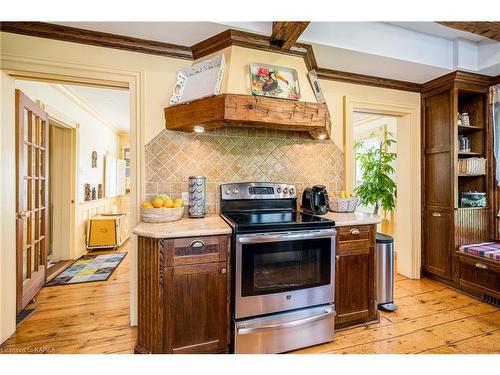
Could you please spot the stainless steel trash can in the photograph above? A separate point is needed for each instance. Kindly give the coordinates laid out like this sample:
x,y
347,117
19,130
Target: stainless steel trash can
x,y
385,272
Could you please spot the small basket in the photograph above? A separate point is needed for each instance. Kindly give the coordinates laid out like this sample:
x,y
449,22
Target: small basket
x,y
343,204
161,215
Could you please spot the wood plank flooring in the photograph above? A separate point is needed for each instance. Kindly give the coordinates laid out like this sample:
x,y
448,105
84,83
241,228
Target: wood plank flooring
x,y
94,318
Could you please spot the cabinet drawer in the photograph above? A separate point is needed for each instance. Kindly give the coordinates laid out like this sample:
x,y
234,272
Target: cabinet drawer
x,y
480,275
355,237
194,250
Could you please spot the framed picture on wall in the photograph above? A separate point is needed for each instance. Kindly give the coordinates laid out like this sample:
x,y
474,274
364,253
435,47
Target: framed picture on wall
x,y
274,81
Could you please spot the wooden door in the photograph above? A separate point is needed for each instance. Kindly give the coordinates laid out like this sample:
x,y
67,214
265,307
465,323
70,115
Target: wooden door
x,y
438,237
199,308
438,181
32,198
355,276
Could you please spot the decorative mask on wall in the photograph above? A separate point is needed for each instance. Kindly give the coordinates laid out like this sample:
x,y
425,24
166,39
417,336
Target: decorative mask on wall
x,y
94,159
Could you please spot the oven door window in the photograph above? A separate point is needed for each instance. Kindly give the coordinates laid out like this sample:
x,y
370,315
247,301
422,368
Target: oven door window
x,y
285,266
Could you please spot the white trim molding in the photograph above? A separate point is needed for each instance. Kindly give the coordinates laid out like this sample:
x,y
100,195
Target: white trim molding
x,y
408,212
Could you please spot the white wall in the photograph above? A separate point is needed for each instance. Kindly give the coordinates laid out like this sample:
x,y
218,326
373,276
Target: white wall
x,y
7,208
93,134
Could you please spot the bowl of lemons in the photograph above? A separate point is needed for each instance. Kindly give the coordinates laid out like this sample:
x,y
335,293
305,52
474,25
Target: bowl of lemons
x,y
162,209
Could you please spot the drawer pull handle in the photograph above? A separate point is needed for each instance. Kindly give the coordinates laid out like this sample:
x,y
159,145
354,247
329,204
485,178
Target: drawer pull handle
x,y
482,266
354,231
337,257
197,243
223,271
436,214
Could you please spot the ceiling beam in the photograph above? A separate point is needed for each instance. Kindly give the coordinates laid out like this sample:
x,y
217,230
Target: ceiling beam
x,y
285,34
489,30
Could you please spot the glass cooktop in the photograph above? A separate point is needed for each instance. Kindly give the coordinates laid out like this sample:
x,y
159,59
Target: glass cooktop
x,y
276,220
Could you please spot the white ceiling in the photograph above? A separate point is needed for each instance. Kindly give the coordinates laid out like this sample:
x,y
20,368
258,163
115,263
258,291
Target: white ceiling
x,y
436,29
408,51
110,104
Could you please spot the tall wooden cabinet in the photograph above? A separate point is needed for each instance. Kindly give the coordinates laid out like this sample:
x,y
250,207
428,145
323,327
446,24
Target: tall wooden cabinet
x,y
445,223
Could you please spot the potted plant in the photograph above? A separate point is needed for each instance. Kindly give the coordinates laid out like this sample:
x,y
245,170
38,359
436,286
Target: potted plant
x,y
378,188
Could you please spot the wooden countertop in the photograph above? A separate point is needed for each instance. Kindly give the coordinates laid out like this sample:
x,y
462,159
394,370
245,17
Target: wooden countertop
x,y
352,218
209,225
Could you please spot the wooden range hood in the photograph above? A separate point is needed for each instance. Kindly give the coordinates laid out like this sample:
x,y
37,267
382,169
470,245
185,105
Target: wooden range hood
x,y
252,112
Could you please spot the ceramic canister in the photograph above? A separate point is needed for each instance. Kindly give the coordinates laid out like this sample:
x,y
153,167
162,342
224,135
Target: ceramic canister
x,y
197,196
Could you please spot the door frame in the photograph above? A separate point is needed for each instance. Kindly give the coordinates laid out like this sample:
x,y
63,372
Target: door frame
x,y
409,262
58,119
54,71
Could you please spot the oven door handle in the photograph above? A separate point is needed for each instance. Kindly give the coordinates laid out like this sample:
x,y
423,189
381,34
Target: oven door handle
x,y
293,323
276,237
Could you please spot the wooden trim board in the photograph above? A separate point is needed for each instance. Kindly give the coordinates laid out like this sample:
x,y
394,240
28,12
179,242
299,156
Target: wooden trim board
x,y
206,47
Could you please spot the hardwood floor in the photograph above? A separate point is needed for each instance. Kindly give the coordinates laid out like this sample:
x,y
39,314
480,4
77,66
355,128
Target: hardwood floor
x,y
81,318
94,318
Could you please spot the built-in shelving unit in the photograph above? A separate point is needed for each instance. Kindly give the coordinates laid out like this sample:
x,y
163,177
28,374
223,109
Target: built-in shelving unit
x,y
449,170
473,102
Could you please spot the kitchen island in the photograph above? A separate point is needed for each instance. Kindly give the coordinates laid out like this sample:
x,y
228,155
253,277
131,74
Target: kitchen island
x,y
185,288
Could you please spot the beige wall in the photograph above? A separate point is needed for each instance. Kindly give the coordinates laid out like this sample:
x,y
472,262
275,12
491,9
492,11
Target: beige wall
x,y
335,92
8,208
158,72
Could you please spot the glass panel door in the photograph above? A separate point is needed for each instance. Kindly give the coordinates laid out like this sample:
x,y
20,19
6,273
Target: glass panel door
x,y
32,182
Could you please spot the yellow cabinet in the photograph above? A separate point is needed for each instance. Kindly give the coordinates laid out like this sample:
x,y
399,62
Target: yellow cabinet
x,y
107,231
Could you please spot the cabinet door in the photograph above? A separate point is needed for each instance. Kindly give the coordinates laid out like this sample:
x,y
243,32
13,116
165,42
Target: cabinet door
x,y
438,147
354,286
197,308
438,231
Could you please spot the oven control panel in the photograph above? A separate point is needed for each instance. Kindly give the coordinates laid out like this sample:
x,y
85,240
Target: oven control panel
x,y
257,190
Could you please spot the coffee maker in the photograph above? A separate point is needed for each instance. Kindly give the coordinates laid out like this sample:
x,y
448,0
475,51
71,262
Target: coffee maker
x,y
315,200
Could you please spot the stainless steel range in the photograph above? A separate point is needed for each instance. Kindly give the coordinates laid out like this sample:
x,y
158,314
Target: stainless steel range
x,y
283,269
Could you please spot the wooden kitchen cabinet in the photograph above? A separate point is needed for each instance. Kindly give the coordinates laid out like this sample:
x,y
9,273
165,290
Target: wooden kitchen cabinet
x,y
184,295
355,276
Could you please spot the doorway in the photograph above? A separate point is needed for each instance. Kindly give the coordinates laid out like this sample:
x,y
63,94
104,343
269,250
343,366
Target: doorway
x,y
62,192
405,225
81,144
370,130
75,74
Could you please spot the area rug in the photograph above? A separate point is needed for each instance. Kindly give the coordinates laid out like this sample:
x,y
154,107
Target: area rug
x,y
89,268
23,315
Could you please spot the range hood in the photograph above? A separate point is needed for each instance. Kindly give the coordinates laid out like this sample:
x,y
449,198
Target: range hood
x,y
236,110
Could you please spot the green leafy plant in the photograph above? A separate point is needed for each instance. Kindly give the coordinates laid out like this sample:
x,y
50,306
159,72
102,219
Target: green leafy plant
x,y
378,188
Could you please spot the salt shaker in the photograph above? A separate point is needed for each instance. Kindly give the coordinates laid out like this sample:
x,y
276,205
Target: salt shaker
x,y
197,196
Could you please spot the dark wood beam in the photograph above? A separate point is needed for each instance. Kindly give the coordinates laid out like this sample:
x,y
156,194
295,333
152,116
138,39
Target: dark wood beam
x,y
97,38
245,39
366,80
285,34
489,30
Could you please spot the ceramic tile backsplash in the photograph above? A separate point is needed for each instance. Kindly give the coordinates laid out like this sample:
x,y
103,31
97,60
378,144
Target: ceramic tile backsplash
x,y
235,155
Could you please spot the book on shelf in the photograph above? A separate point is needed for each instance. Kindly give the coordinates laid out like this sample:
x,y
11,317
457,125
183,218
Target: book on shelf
x,y
472,166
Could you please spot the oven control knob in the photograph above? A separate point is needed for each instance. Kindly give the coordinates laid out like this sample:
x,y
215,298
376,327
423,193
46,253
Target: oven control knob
x,y
292,191
228,191
278,190
285,191
235,191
